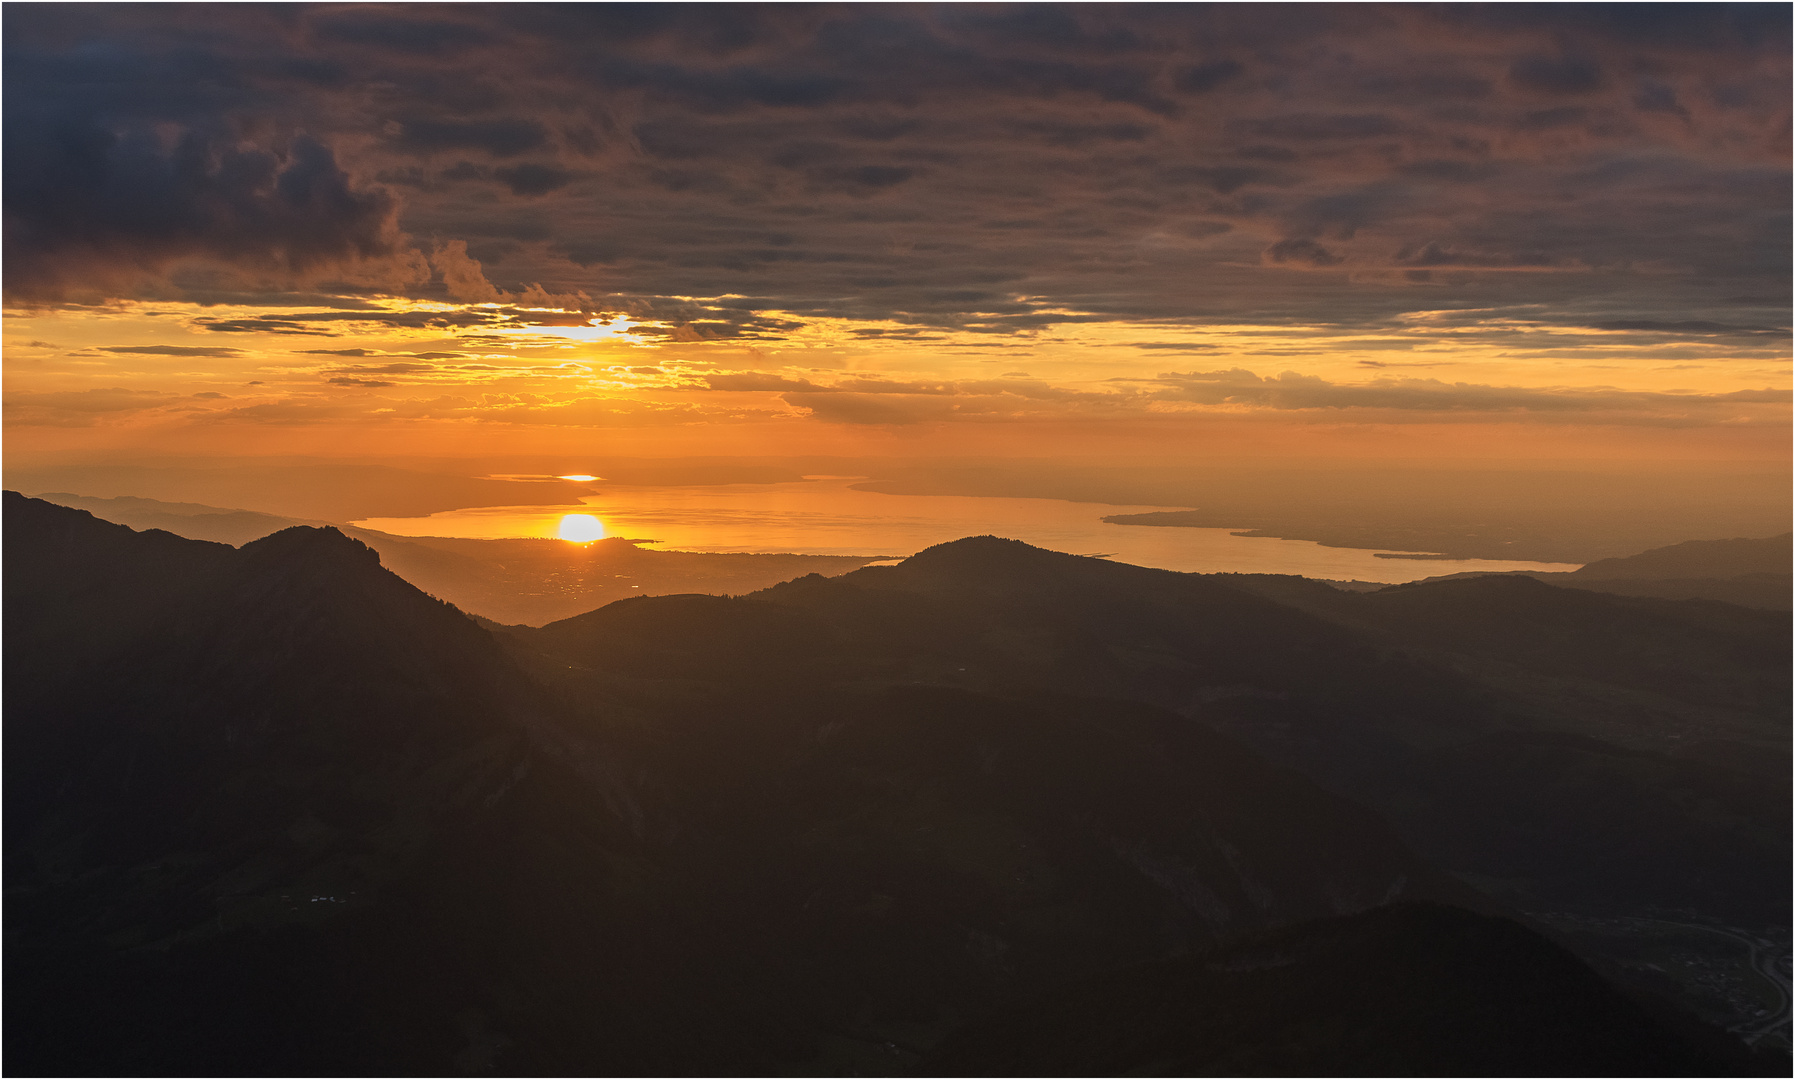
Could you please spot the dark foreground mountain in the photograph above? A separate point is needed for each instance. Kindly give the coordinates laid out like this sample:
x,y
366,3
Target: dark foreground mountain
x,y
1616,757
1384,993
272,810
265,813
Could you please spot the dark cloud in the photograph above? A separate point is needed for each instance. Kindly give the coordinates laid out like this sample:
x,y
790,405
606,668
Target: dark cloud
x,y
501,138
1557,74
1433,254
869,408
383,369
1202,78
859,179
1399,399
1301,250
421,37
1290,390
321,322
1692,326
1657,97
263,325
1310,126
86,205
111,400
1680,27
738,169
756,381
1456,172
172,350
1224,179
533,179
81,408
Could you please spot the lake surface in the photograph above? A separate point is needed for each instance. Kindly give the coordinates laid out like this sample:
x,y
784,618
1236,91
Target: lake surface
x,y
830,517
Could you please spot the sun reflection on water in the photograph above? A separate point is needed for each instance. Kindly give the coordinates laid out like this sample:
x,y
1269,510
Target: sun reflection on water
x,y
836,517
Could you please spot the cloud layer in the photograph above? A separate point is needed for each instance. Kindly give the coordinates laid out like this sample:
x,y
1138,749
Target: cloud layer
x,y
423,209
954,165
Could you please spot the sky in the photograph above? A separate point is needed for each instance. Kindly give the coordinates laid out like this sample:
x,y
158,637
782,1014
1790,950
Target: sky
x,y
1158,232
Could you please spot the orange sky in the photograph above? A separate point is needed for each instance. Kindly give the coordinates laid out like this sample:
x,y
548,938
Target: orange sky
x,y
155,377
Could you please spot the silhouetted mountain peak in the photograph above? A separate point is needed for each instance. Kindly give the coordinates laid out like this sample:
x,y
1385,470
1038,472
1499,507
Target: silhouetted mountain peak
x,y
34,520
986,560
1486,586
977,551
312,544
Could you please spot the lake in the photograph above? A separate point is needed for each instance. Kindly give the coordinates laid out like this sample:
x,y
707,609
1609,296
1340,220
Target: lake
x,y
828,516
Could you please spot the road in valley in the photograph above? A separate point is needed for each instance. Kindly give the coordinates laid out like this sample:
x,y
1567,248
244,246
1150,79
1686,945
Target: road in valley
x,y
1771,961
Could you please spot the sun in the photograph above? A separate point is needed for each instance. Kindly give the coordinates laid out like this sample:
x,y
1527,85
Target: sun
x,y
581,528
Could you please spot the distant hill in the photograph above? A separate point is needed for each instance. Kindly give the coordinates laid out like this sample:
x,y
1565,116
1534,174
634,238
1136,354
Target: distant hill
x,y
1699,559
509,581
1751,573
1545,515
192,520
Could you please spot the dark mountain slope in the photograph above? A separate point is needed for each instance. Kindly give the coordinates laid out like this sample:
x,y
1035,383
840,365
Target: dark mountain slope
x,y
1650,751
297,817
1689,651
296,652
77,588
991,614
1748,572
1647,754
1564,748
897,860
1698,559
1409,990
195,521
291,819
1754,573
961,843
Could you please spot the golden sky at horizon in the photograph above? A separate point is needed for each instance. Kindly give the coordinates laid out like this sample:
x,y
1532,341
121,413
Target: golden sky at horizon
x,y
145,374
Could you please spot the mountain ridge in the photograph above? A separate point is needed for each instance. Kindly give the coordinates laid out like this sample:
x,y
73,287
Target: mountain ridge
x,y
781,846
